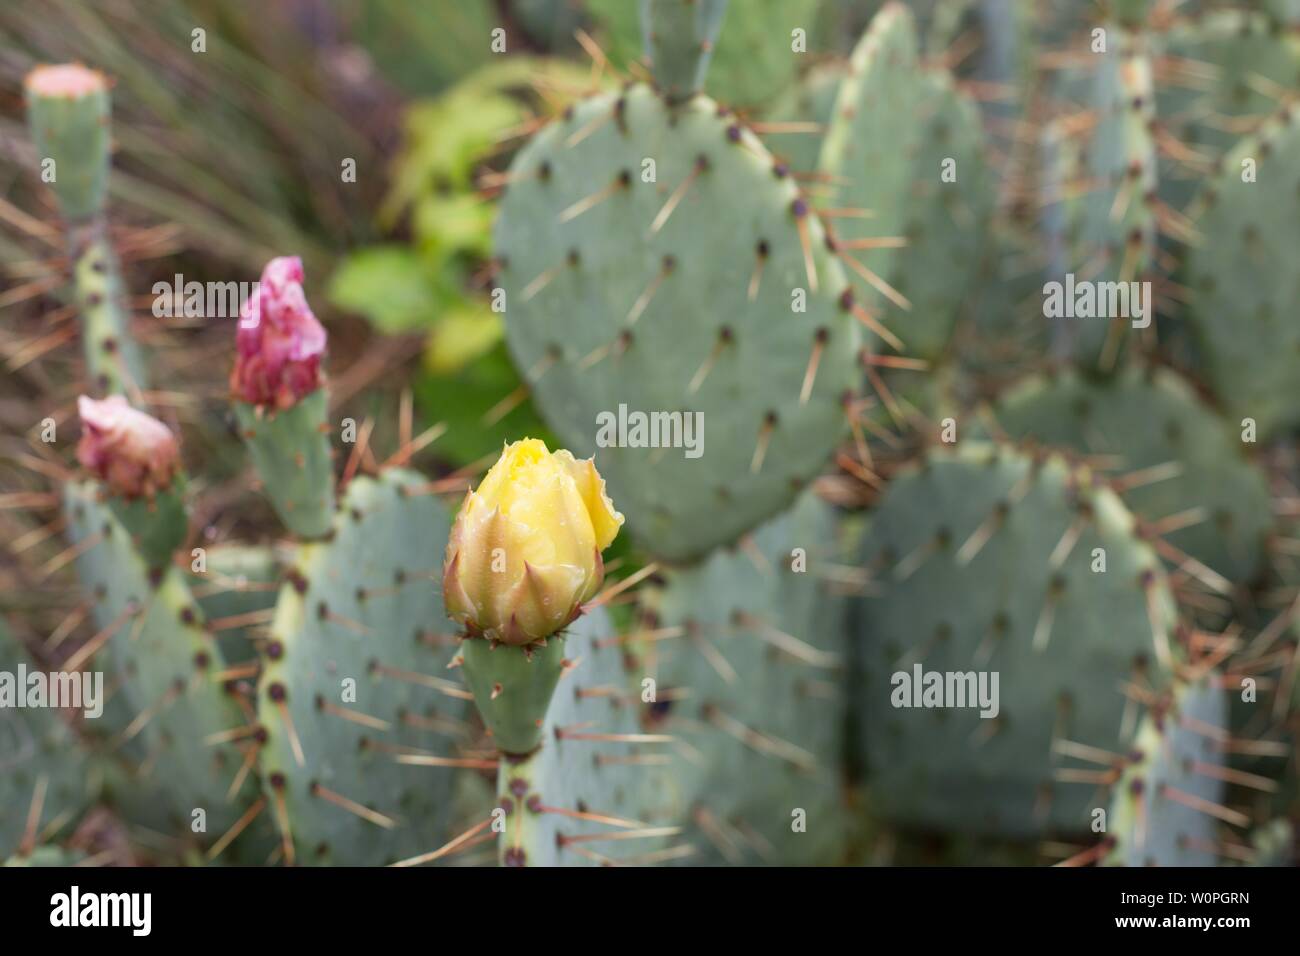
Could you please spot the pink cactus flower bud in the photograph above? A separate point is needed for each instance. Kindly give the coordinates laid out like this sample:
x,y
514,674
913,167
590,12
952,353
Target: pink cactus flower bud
x,y
134,454
280,342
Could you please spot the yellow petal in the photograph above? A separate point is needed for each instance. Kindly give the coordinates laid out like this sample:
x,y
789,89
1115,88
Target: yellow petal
x,y
605,521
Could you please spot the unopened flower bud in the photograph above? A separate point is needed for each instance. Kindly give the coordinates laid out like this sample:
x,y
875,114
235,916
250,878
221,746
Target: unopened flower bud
x,y
279,342
132,453
524,553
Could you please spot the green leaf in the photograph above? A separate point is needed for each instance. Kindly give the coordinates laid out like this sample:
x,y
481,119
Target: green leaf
x,y
463,333
390,285
450,225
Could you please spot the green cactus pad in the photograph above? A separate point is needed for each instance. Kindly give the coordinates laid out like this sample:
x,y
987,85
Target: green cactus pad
x,y
362,612
1170,764
74,132
754,60
42,782
906,146
984,561
291,451
945,224
1109,181
679,37
194,730
871,131
606,310
1245,280
1142,419
748,662
552,798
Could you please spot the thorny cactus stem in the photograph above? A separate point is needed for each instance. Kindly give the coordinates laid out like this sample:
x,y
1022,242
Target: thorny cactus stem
x,y
68,113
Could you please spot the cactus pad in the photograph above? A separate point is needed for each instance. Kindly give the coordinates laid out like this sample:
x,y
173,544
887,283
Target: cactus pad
x,y
1246,281
747,657
354,678
985,563
1156,815
1110,182
871,130
194,727
42,788
945,224
678,295
679,37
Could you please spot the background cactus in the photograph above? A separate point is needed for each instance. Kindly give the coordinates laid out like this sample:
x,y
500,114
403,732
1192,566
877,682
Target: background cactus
x,y
1011,543
824,226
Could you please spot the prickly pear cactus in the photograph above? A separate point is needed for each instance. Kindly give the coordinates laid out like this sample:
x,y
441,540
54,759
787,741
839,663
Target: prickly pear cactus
x,y
42,788
1163,804
68,110
583,798
658,261
757,54
679,37
360,712
866,144
1244,280
906,150
194,729
1110,185
1146,419
746,652
991,563
948,205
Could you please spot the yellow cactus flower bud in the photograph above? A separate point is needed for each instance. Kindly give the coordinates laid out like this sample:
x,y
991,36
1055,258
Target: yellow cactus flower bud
x,y
524,553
